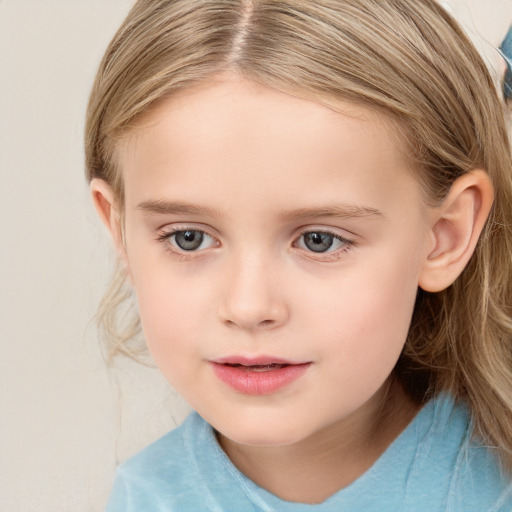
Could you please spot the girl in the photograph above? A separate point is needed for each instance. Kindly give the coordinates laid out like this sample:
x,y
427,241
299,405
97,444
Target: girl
x,y
312,203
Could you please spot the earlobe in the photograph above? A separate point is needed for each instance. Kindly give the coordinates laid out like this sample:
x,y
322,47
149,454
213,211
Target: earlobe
x,y
105,204
456,227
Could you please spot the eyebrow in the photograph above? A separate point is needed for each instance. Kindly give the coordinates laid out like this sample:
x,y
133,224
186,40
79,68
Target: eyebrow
x,y
176,207
343,211
337,210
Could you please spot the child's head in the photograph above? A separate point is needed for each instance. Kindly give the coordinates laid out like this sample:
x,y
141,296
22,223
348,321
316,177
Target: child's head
x,y
215,103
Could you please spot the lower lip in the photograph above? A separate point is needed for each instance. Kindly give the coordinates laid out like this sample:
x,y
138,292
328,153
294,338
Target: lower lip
x,y
252,382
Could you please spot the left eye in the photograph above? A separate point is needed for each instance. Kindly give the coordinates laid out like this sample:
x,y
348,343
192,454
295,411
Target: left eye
x,y
189,240
320,241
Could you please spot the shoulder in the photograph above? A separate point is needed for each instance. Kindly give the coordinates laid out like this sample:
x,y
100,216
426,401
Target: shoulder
x,y
453,466
162,475
161,456
184,470
479,480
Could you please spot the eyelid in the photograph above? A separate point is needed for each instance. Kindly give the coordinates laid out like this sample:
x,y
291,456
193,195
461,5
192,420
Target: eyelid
x,y
335,232
167,231
329,256
172,227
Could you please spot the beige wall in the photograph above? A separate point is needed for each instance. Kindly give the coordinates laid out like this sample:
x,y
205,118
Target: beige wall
x,y
65,420
486,22
62,427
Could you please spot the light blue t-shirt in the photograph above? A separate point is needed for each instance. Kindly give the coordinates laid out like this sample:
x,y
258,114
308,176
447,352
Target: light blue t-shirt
x,y
432,466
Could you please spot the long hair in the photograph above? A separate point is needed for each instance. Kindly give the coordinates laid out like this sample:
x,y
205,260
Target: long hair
x,y
407,59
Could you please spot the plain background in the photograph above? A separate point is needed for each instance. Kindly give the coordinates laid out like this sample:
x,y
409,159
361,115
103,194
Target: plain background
x,y
66,420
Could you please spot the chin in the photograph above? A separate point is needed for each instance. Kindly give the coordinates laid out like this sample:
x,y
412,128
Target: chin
x,y
268,434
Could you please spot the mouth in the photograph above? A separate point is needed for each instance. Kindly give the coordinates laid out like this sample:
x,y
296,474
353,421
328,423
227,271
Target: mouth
x,y
259,367
258,376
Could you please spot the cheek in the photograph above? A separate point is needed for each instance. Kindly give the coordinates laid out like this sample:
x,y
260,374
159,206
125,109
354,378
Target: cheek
x,y
366,317
171,306
171,321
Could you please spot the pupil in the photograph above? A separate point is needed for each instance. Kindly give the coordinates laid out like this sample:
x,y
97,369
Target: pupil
x,y
318,242
189,240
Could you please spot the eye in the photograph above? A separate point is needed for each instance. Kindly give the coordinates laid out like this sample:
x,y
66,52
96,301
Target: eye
x,y
322,242
188,240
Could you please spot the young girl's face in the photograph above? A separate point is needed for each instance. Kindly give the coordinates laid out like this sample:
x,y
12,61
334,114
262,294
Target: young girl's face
x,y
275,247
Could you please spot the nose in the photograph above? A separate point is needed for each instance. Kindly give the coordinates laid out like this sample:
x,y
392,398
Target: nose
x,y
253,296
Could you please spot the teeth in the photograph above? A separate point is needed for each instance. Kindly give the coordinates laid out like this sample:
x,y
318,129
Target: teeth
x,y
265,368
260,367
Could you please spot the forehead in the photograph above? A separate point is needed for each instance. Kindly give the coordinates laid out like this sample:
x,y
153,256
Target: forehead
x,y
250,137
199,106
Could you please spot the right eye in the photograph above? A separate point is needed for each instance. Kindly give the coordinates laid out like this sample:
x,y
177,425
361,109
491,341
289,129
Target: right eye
x,y
188,240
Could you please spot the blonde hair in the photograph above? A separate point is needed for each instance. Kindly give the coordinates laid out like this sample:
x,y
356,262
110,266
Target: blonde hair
x,y
406,58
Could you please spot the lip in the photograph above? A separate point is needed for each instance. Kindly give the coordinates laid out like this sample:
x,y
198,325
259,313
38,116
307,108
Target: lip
x,y
248,375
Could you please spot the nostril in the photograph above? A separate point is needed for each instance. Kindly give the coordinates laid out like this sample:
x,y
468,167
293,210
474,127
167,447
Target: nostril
x,y
259,325
253,311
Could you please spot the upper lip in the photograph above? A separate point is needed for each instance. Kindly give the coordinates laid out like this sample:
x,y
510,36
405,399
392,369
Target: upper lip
x,y
255,360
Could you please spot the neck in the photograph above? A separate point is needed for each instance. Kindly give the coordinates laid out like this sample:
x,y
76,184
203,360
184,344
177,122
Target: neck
x,y
313,469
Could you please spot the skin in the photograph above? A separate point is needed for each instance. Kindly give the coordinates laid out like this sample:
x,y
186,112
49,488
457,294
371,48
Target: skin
x,y
252,158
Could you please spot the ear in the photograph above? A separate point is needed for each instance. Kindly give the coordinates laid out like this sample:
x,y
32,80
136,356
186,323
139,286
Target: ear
x,y
456,227
104,201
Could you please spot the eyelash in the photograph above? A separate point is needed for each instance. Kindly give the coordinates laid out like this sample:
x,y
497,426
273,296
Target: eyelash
x,y
164,237
329,256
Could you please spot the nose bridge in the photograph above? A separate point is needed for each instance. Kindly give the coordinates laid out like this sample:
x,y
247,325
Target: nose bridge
x,y
252,296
